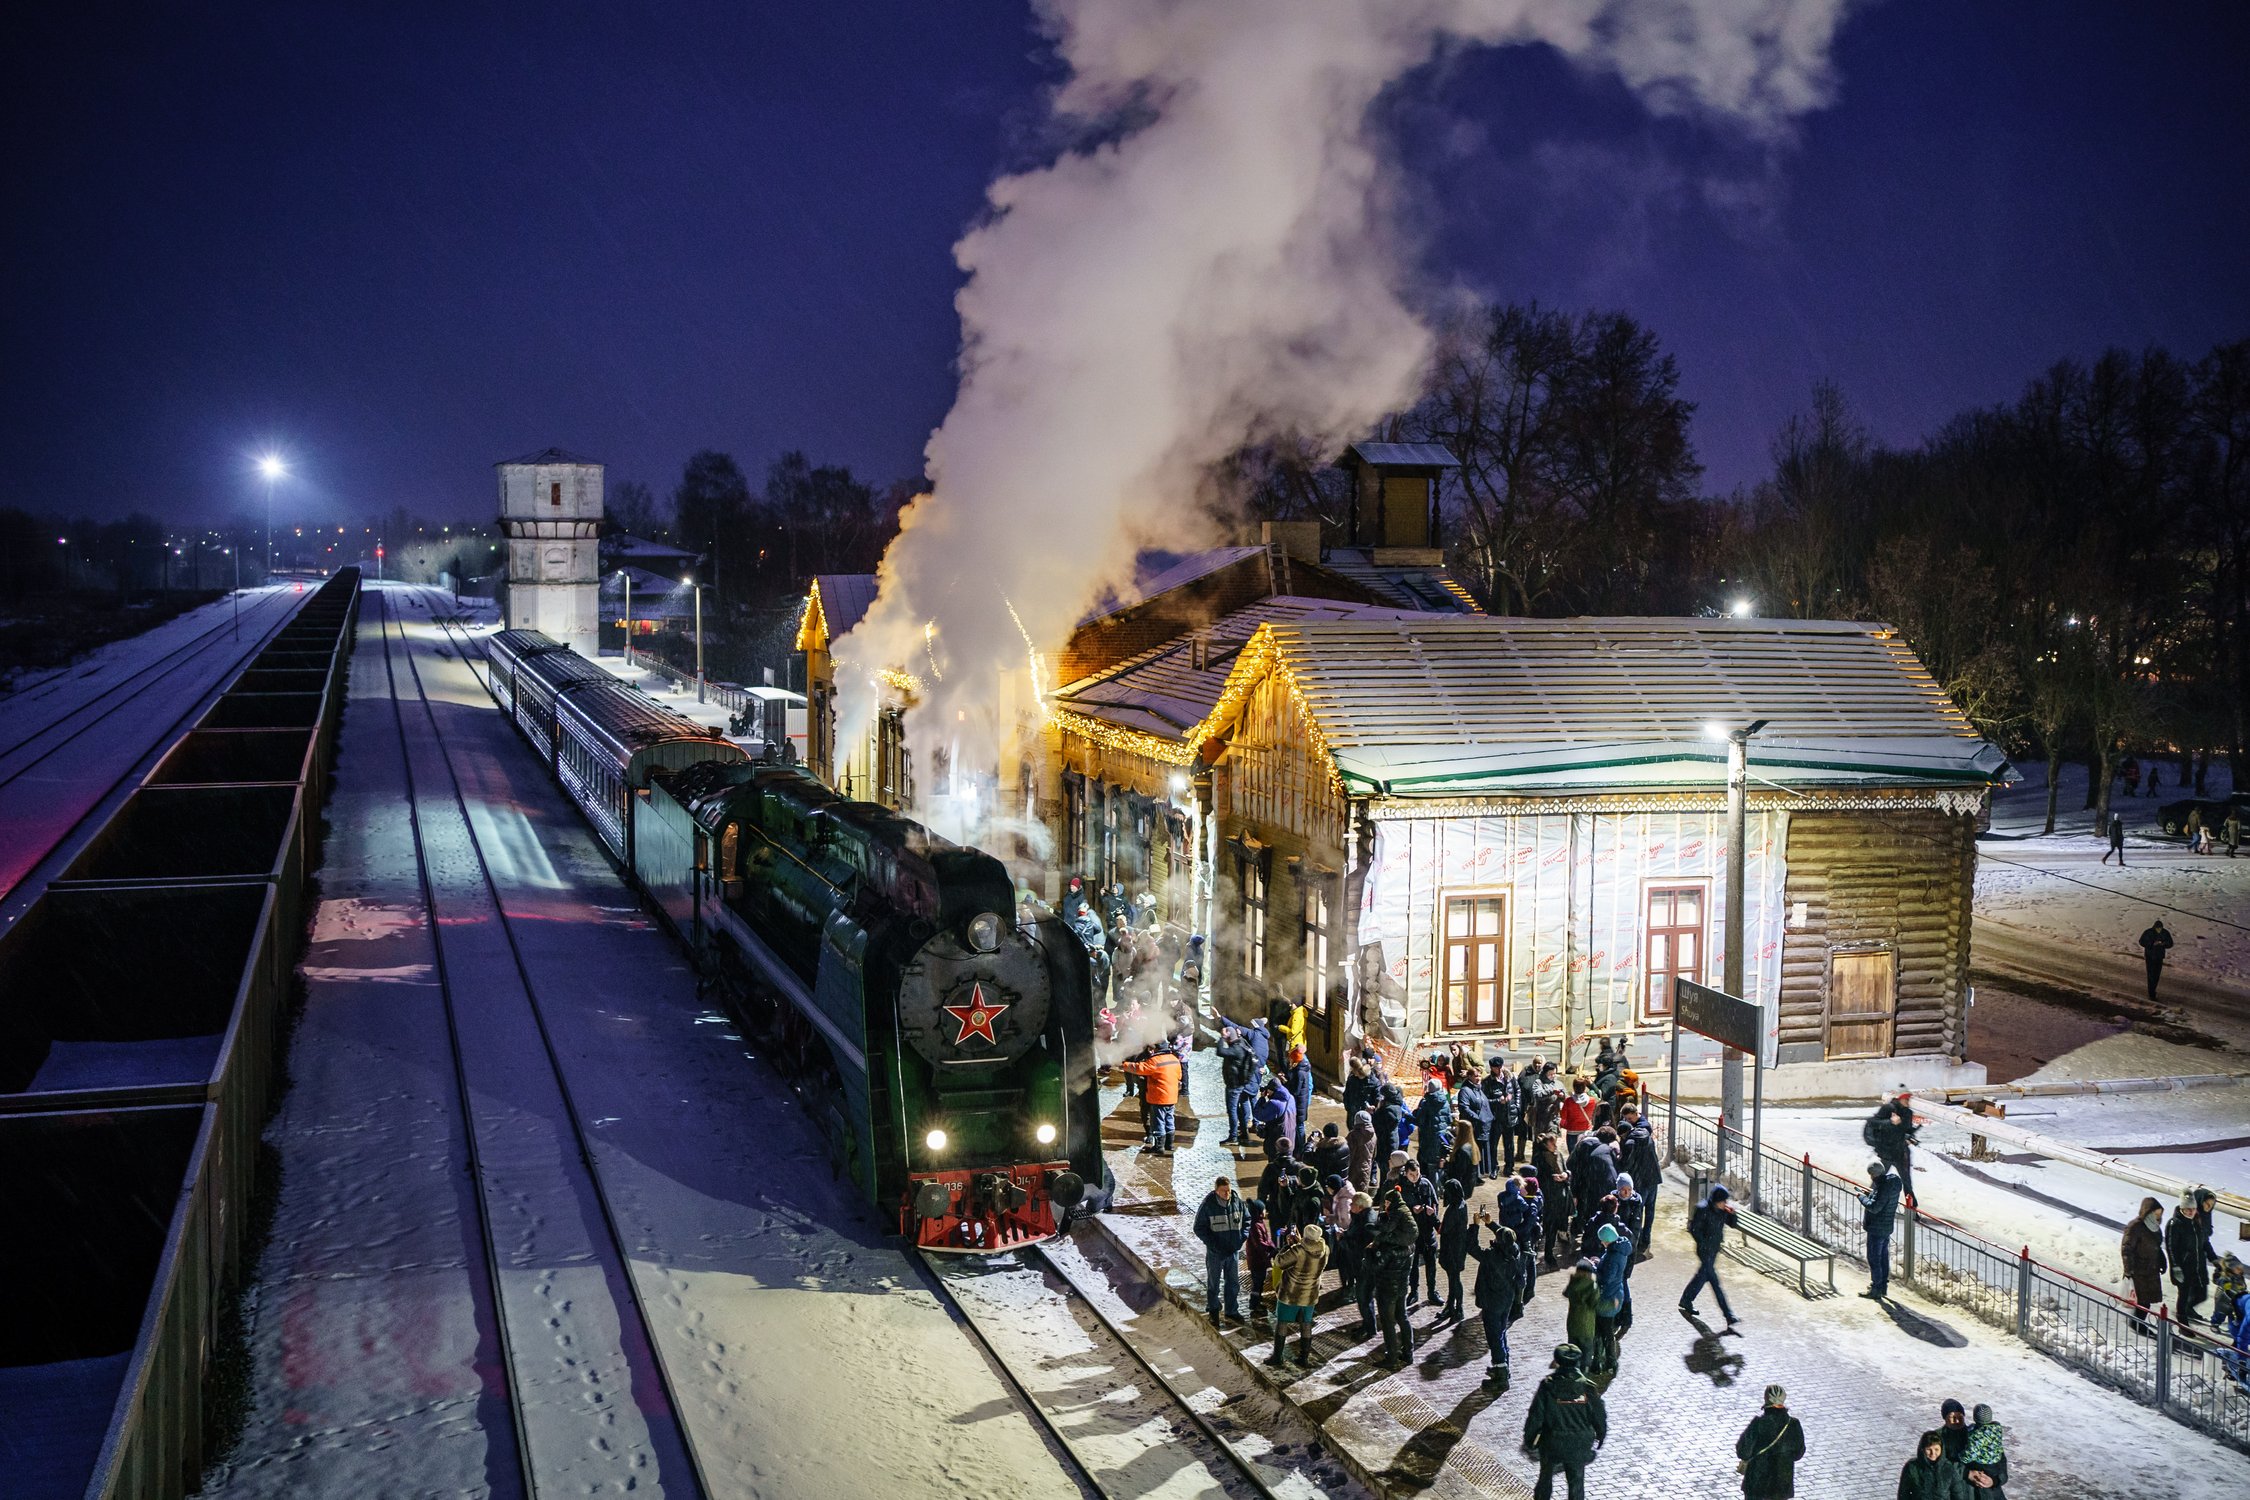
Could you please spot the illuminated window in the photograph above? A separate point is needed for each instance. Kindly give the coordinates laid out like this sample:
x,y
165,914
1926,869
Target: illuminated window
x,y
1674,924
1316,917
1254,918
1476,953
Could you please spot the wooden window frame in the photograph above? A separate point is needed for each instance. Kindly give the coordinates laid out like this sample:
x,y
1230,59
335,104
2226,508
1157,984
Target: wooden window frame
x,y
1255,870
1649,889
1503,971
1317,939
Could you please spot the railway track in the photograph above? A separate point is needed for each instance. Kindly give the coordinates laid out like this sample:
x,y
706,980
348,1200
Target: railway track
x,y
592,1406
1044,1320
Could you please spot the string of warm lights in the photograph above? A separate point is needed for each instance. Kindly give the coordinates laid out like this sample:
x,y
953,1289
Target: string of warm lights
x,y
1128,741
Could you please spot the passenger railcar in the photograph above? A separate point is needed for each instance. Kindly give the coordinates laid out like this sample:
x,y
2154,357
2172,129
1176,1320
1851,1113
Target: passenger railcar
x,y
946,1052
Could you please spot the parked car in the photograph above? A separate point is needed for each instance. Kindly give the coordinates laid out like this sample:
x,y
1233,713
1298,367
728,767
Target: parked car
x,y
2173,816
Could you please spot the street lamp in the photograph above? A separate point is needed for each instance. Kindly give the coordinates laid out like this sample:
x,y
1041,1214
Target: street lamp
x,y
237,594
628,577
273,468
1730,1061
691,583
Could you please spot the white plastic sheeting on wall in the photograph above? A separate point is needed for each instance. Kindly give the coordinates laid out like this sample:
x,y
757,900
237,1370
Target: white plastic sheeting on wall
x,y
1576,885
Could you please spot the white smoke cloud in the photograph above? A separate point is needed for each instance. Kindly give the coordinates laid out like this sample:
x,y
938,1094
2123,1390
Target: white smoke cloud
x,y
1218,261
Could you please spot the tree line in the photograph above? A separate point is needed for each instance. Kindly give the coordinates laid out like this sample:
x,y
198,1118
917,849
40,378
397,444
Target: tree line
x,y
2073,565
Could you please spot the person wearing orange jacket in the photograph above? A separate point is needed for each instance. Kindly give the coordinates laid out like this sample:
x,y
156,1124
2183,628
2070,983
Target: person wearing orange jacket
x,y
1160,1080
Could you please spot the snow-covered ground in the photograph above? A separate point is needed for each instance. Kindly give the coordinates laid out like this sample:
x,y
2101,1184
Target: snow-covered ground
x,y
2057,886
808,1356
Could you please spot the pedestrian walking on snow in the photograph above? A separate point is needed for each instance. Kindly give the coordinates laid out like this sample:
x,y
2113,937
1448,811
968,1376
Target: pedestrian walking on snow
x,y
1221,1224
2116,840
1565,1426
1499,1289
1707,1226
2142,1251
1769,1449
2155,943
1878,1215
2189,1254
1613,1300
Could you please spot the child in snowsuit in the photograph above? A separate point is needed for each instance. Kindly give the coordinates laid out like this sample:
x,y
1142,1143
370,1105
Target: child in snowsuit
x,y
1985,1452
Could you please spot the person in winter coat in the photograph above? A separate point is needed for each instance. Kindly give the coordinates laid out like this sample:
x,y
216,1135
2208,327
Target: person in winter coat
x,y
1518,1213
1984,1457
1632,1216
1276,1116
1769,1449
1330,1156
1891,1132
2116,841
1565,1425
1547,1113
1257,1244
1474,1112
1499,1288
1452,1246
1601,1216
1554,1190
1502,1096
1356,1253
1390,1115
1260,1039
1930,1475
1593,1174
1160,1077
1309,1203
1393,1261
1420,1195
1286,1016
1238,1071
2187,1251
1362,1144
1433,1129
1707,1226
1221,1224
1637,1159
1580,1293
1878,1214
1359,1087
1613,1300
2156,941
1336,1211
1299,1267
1576,1112
1300,1080
1461,1167
1276,1185
2142,1251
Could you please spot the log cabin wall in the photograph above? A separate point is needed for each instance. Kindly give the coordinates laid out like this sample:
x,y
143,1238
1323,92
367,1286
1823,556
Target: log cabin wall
x,y
1875,884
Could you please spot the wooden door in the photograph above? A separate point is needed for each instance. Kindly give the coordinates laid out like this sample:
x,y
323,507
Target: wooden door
x,y
1862,998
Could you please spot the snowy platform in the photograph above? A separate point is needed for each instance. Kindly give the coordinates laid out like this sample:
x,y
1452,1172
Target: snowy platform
x,y
1864,1379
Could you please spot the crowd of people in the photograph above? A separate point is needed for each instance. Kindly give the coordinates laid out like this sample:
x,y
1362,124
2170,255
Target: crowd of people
x,y
2178,1256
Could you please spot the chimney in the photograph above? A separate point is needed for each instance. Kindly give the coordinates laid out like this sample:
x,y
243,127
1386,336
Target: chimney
x,y
1395,493
1299,541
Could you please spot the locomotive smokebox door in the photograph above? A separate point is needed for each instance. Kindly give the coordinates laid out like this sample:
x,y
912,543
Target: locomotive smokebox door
x,y
958,1006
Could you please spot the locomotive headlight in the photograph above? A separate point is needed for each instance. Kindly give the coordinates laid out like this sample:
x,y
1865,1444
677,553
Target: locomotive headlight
x,y
984,932
935,1140
1045,1135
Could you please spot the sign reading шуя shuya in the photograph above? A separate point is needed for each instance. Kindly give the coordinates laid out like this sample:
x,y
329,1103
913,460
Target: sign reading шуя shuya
x,y
1716,1014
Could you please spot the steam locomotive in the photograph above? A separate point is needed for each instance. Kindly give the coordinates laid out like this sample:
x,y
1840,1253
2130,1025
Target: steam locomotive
x,y
945,1051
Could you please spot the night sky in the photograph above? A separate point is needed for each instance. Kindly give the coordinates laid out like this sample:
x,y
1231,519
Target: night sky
x,y
398,242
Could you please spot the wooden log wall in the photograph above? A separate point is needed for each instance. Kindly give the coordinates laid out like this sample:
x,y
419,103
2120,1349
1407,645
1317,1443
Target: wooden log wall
x,y
1901,880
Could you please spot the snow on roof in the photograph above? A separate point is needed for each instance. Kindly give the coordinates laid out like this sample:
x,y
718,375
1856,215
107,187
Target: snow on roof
x,y
1157,573
1163,691
1422,586
1406,455
835,603
622,544
1421,705
548,456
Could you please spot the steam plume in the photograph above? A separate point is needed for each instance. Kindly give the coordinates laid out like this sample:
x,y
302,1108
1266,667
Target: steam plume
x,y
1218,263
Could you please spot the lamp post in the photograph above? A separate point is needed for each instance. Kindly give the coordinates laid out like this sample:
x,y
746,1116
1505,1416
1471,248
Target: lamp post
x,y
272,468
1730,1062
628,577
64,543
237,595
691,583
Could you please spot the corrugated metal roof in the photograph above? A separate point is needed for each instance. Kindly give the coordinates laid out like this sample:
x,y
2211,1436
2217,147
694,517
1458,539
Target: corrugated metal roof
x,y
1453,706
845,599
1411,586
549,456
1414,455
1162,692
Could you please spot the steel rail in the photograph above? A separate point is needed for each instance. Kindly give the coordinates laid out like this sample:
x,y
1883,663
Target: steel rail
x,y
562,1084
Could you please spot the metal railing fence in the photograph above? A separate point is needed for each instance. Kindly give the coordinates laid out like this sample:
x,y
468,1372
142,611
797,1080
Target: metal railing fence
x,y
2186,1373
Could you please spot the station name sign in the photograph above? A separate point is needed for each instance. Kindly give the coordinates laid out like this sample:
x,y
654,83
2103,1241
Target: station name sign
x,y
1716,1014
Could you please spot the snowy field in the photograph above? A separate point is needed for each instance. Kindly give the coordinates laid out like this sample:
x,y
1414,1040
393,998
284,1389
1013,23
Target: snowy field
x,y
2056,885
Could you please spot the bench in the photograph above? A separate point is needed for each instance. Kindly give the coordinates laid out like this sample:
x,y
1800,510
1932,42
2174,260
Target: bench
x,y
1783,1240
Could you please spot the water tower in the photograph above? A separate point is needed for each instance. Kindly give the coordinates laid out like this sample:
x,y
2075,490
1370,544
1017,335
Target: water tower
x,y
551,509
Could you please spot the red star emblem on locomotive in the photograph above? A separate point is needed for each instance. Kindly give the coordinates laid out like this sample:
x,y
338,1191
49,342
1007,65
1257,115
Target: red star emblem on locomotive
x,y
976,1017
